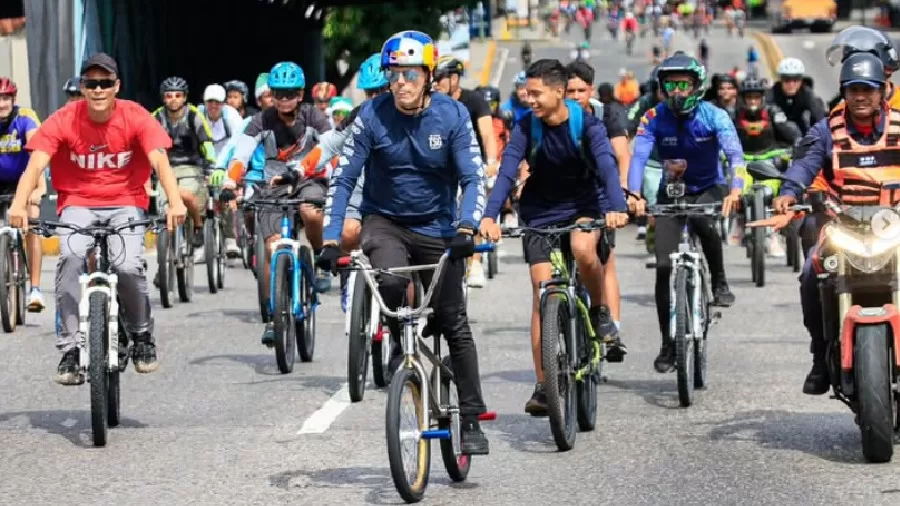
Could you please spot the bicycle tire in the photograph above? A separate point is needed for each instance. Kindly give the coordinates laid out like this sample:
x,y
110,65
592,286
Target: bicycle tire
x,y
684,353
701,380
381,356
20,271
261,293
7,297
586,389
358,339
557,378
283,314
493,264
210,254
165,268
415,491
184,276
98,365
306,328
457,467
221,258
759,240
797,250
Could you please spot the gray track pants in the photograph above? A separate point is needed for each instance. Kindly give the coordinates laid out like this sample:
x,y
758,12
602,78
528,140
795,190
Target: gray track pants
x,y
125,253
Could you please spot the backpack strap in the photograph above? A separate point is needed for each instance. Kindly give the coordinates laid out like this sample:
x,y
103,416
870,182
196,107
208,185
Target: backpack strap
x,y
576,122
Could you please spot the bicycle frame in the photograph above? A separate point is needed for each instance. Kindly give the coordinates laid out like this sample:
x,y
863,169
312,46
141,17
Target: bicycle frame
x,y
298,268
411,342
17,241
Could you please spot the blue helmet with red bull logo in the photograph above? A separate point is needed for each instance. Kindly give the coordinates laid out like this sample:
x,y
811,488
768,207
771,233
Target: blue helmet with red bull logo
x,y
409,49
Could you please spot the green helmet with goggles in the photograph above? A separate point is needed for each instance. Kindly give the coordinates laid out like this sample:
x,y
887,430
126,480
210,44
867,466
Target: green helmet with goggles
x,y
676,98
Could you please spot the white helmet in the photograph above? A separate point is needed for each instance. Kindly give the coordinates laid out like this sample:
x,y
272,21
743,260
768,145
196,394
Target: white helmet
x,y
214,92
791,67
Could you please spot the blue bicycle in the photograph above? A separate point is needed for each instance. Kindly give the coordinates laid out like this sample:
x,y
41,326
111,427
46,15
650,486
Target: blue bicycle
x,y
292,290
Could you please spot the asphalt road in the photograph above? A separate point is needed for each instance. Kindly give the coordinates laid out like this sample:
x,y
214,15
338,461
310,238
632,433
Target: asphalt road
x,y
218,425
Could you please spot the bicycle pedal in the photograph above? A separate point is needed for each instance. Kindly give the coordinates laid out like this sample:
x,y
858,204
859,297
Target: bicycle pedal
x,y
488,416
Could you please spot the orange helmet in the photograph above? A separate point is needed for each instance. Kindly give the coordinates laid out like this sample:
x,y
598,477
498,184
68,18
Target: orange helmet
x,y
8,87
324,91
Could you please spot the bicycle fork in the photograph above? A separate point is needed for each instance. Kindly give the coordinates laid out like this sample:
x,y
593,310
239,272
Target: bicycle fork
x,y
109,287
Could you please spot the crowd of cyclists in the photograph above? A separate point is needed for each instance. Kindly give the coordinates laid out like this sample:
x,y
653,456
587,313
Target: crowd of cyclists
x,y
424,165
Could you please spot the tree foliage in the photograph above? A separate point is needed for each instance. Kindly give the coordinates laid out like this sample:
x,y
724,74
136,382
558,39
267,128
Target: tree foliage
x,y
361,30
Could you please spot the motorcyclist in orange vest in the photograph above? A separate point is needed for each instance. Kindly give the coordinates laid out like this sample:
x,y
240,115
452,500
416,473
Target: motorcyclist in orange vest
x,y
843,155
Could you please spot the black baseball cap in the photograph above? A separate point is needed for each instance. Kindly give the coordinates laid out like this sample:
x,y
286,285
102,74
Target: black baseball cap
x,y
101,60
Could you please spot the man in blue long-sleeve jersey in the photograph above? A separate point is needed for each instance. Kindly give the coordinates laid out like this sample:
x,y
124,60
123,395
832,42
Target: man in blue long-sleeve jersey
x,y
686,127
417,149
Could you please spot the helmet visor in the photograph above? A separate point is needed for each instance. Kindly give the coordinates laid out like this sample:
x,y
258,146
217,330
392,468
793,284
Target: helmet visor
x,y
860,39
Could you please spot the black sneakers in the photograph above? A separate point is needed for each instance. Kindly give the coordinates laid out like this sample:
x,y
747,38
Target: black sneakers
x,y
537,405
69,370
472,439
144,354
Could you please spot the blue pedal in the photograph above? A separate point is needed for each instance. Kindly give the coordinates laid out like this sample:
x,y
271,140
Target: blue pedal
x,y
436,434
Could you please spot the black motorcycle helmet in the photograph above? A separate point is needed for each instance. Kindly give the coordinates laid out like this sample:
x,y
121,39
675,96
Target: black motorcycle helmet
x,y
863,68
754,86
862,39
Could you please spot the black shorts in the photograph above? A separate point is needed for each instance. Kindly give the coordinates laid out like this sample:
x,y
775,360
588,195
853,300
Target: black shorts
x,y
269,218
536,248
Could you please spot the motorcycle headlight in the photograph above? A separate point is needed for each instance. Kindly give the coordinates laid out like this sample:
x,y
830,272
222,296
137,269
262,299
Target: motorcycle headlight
x,y
865,253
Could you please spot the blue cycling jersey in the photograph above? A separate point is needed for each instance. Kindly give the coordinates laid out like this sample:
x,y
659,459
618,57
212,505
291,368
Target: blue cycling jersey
x,y
518,109
697,138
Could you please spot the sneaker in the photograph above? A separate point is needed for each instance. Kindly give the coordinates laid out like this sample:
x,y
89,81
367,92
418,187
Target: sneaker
x,y
604,327
476,276
774,246
144,354
537,405
650,263
232,250
199,255
69,370
35,301
722,295
323,281
472,439
198,237
268,336
641,233
665,361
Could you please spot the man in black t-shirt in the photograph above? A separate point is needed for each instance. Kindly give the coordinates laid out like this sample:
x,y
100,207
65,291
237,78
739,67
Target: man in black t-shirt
x,y
615,119
446,80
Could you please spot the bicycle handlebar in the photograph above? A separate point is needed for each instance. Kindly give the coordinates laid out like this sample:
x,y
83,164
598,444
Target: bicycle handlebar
x,y
284,202
47,227
707,209
359,262
587,226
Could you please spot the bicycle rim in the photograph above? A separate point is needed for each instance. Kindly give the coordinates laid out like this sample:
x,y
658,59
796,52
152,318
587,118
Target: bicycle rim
x,y
7,287
684,345
409,454
283,316
306,328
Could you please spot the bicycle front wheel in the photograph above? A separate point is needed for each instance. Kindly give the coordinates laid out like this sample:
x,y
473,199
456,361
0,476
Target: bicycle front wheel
x,y
409,454
165,273
558,379
259,268
759,240
98,367
283,314
211,254
684,344
185,274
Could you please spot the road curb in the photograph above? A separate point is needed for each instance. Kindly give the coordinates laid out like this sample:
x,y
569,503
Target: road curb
x,y
50,245
488,66
770,50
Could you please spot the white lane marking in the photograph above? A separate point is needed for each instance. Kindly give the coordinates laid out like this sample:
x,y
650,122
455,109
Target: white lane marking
x,y
322,419
809,44
504,56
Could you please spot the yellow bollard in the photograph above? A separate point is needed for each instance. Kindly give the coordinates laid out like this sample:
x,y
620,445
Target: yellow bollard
x,y
504,30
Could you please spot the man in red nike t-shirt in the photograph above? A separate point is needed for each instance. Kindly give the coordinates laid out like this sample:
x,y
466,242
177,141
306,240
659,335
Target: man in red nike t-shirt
x,y
100,151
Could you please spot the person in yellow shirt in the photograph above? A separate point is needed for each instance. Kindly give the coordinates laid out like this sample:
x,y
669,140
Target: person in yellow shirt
x,y
627,90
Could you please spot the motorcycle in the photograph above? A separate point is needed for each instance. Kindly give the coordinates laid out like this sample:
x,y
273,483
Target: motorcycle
x,y
858,266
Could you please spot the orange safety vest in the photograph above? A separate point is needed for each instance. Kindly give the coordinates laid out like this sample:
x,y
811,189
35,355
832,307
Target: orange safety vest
x,y
858,171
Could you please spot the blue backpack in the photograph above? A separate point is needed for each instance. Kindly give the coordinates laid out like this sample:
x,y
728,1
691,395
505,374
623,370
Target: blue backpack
x,y
576,132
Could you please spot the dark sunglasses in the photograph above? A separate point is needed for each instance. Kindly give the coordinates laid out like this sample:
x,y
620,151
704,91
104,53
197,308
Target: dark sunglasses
x,y
285,94
103,84
173,94
409,75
